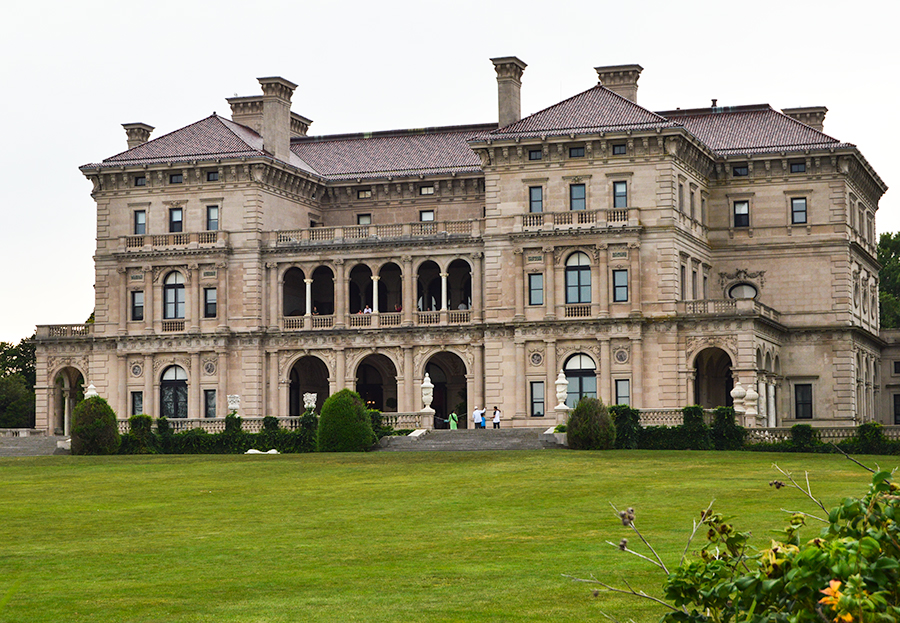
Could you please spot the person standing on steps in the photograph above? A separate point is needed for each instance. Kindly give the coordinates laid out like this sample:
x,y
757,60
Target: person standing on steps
x,y
453,419
496,419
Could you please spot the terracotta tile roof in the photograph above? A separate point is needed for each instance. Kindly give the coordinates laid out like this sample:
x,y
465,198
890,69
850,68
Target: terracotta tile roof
x,y
433,151
750,129
596,110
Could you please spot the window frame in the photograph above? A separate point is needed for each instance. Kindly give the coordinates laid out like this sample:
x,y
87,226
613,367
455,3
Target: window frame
x,y
212,224
537,403
620,290
578,280
364,193
424,213
364,219
176,226
532,202
740,170
136,403
896,409
426,191
618,385
620,194
535,290
619,149
174,297
795,213
575,201
744,221
798,167
806,405
176,178
139,222
212,176
137,307
535,154
140,180
206,403
576,152
210,302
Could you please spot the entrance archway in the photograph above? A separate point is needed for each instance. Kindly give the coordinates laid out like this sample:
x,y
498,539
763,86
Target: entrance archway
x,y
448,374
309,375
376,383
68,391
173,393
713,381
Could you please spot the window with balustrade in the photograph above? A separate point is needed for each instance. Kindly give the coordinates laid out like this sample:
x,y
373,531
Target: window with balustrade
x,y
578,279
140,222
577,197
173,393
620,194
536,199
212,218
176,220
173,296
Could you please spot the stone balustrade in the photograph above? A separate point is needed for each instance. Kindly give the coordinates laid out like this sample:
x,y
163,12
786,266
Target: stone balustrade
x,y
355,233
64,330
186,240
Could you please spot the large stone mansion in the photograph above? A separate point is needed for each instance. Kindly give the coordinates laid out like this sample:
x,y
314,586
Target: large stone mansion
x,y
656,258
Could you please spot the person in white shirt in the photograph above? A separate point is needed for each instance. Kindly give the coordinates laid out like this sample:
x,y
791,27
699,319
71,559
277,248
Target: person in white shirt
x,y
496,419
478,417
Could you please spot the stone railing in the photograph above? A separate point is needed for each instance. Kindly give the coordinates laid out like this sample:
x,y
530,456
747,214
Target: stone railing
x,y
22,432
726,307
401,421
190,240
354,233
825,433
64,330
217,425
578,311
618,217
668,417
169,326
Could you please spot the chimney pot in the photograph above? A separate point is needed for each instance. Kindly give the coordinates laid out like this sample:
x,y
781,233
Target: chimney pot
x,y
621,79
509,87
137,133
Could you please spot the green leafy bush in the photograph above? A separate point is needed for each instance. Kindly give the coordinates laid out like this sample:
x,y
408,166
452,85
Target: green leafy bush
x,y
695,432
379,428
94,428
140,438
726,434
804,438
628,426
589,426
270,424
344,424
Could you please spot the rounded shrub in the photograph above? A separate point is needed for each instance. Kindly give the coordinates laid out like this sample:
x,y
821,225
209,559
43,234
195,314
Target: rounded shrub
x,y
344,424
589,426
140,438
628,426
94,428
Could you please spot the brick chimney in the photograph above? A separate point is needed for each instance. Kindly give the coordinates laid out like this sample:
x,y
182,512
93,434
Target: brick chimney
x,y
509,86
137,133
269,115
621,79
813,116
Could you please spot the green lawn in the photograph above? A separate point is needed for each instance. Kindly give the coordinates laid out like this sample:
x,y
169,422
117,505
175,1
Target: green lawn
x,y
416,537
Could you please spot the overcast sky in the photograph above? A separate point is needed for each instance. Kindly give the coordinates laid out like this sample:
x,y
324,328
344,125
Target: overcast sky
x,y
73,72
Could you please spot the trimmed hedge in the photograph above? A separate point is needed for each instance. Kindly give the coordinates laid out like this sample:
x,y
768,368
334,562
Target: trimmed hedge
x,y
344,424
94,428
628,426
589,426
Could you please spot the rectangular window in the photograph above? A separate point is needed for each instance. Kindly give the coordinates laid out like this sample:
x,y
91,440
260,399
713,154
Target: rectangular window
x,y
536,289
137,403
176,223
535,199
740,170
703,210
426,216
535,154
577,197
209,302
693,215
705,287
176,178
212,218
364,194
426,190
803,405
798,211
209,403
896,409
623,392
897,367
363,219
694,285
537,399
140,222
212,176
683,281
798,167
619,149
742,214
620,194
576,152
620,286
137,305
681,197
140,180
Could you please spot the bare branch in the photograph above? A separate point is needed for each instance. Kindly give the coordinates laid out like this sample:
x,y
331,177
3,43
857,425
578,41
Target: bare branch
x,y
851,458
630,590
630,524
807,492
694,531
784,510
639,555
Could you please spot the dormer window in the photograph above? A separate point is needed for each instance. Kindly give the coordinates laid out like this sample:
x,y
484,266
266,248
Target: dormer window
x,y
618,149
426,190
176,178
798,167
212,176
740,170
366,193
535,154
576,152
140,180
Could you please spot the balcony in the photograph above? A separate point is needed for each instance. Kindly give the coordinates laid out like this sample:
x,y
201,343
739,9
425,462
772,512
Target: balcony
x,y
376,320
727,307
358,233
579,219
160,242
64,330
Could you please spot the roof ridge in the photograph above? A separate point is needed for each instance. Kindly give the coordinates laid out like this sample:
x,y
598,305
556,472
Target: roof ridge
x,y
158,138
229,122
349,136
715,110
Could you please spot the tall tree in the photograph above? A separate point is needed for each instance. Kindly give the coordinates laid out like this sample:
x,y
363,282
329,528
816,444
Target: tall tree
x,y
17,378
889,279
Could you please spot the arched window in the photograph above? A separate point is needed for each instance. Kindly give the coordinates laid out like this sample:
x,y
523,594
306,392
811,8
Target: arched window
x,y
742,291
578,278
581,374
173,295
173,393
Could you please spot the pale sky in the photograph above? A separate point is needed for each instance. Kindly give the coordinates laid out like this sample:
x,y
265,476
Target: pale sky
x,y
73,72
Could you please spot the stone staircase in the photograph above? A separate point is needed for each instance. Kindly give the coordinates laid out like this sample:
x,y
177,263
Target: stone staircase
x,y
467,439
33,445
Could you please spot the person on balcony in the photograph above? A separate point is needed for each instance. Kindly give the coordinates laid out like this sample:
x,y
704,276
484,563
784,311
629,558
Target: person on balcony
x,y
367,309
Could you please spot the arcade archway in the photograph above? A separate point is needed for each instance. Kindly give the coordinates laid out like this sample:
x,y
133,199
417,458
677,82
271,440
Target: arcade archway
x,y
376,383
713,381
309,375
448,374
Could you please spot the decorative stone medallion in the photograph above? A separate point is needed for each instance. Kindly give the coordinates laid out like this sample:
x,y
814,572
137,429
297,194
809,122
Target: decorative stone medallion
x,y
136,370
537,359
621,355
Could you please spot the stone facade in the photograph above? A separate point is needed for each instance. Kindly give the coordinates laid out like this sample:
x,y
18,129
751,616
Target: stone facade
x,y
656,258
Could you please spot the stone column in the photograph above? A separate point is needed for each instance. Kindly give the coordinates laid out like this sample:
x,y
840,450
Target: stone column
x,y
375,279
635,278
194,277
275,307
550,366
274,393
761,390
222,387
550,292
770,403
124,408
339,371
521,387
602,287
478,373
148,398
604,379
150,294
222,302
519,280
477,288
444,291
409,292
637,373
195,396
308,283
67,412
340,295
124,293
